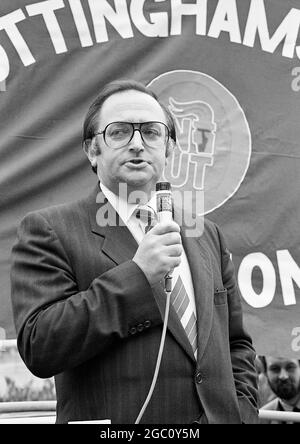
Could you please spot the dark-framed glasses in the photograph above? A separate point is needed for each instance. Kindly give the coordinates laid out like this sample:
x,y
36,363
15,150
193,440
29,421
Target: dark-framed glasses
x,y
119,134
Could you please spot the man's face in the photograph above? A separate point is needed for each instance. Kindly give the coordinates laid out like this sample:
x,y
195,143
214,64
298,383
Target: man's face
x,y
284,377
119,165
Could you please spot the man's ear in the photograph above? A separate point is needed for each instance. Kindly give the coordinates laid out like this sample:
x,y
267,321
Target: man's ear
x,y
92,150
170,147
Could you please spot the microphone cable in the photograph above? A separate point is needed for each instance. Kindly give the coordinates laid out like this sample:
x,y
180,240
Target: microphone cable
x,y
160,351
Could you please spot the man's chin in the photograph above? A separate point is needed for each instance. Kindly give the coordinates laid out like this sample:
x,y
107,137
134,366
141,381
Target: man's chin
x,y
140,182
286,393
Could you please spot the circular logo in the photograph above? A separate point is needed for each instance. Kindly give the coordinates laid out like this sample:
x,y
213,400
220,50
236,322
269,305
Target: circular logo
x,y
213,147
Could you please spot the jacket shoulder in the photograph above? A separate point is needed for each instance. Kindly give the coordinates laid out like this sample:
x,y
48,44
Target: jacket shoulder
x,y
62,214
212,236
54,216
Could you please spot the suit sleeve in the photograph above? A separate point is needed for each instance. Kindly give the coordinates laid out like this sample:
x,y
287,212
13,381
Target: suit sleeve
x,y
241,348
59,327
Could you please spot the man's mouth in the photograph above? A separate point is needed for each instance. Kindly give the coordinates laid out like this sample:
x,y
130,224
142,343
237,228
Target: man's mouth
x,y
136,162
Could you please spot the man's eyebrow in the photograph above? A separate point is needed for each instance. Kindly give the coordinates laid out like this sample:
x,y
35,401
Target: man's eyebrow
x,y
274,366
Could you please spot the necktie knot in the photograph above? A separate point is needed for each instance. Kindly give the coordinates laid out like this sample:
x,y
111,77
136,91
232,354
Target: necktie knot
x,y
147,216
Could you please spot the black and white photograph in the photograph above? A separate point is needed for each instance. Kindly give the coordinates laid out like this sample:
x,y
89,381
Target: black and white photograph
x,y
149,214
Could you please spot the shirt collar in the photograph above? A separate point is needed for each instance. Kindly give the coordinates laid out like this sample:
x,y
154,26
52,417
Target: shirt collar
x,y
152,203
121,206
288,407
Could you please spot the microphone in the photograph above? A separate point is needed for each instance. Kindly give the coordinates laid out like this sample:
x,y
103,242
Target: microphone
x,y
164,205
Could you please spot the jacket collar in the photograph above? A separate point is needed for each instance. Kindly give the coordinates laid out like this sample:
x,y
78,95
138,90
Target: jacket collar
x,y
119,244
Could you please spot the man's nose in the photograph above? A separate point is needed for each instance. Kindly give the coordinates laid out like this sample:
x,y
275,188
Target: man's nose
x,y
283,374
136,143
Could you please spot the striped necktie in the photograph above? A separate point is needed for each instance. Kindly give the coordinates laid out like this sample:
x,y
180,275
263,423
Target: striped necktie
x,y
183,307
179,297
146,216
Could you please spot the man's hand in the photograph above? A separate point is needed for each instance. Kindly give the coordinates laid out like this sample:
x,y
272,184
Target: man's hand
x,y
160,251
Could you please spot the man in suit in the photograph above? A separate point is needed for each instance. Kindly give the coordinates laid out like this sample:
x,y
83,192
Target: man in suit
x,y
283,375
89,300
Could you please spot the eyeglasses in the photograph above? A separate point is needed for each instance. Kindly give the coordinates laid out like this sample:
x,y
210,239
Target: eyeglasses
x,y
119,134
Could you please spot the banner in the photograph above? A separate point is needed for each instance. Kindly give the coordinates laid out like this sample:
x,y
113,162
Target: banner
x,y
229,71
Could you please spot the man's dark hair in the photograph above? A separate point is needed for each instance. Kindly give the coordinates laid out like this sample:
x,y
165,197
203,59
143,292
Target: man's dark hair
x,y
117,86
265,365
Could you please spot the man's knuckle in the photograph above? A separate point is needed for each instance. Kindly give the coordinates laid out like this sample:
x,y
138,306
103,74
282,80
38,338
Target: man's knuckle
x,y
178,238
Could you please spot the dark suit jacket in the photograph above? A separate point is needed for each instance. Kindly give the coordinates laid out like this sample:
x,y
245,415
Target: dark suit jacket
x,y
85,312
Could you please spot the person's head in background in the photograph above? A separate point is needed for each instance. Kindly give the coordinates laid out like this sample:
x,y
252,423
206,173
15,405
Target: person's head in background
x,y
283,376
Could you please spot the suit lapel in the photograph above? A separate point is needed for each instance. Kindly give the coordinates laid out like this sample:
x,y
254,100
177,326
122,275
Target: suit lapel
x,y
201,271
118,244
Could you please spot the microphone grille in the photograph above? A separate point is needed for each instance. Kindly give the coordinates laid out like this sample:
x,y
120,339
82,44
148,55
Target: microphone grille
x,y
163,186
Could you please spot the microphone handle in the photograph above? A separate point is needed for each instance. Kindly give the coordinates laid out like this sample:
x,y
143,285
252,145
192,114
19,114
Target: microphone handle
x,y
165,214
